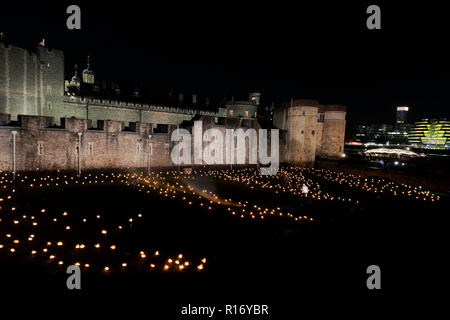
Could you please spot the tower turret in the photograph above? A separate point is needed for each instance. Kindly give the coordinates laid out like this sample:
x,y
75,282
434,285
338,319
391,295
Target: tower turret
x,y
88,74
74,84
75,81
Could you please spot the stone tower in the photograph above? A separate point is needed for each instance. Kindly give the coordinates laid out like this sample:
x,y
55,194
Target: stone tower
x,y
310,130
31,81
299,119
51,63
331,125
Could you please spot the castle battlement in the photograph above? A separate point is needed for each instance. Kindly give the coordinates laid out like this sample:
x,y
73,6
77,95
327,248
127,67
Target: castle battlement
x,y
35,142
88,101
72,124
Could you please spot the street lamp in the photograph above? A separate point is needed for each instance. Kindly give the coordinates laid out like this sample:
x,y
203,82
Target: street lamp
x,y
231,147
178,130
79,152
14,132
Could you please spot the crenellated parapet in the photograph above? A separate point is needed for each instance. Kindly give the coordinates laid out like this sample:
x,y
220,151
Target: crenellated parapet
x,y
70,99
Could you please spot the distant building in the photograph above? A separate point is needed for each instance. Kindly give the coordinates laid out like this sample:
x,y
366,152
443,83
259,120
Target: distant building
x,y
381,133
385,133
430,134
402,115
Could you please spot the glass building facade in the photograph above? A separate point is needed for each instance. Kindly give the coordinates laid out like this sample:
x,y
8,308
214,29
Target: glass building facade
x,y
430,134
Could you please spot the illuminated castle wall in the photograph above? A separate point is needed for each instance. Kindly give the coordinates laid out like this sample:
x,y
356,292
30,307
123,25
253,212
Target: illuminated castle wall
x,y
40,145
46,119
311,129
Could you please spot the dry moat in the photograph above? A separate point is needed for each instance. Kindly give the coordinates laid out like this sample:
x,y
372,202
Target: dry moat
x,y
214,227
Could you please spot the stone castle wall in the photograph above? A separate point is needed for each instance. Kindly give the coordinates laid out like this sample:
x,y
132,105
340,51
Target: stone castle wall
x,y
40,145
333,131
32,93
32,83
301,125
96,109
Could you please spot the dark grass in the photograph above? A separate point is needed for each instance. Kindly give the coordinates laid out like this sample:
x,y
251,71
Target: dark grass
x,y
294,267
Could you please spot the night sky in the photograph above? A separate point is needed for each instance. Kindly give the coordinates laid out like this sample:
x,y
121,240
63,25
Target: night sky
x,y
309,50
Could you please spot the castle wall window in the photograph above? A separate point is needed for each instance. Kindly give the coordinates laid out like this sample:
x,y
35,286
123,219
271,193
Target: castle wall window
x,y
40,149
162,128
91,147
313,132
302,132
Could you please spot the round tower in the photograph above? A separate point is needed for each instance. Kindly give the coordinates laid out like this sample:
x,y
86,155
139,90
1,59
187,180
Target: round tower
x,y
301,126
332,125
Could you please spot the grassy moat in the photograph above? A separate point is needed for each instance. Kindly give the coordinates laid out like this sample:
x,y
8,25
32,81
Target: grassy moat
x,y
233,231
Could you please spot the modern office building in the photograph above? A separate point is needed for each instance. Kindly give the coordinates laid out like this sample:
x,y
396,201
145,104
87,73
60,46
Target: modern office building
x,y
430,134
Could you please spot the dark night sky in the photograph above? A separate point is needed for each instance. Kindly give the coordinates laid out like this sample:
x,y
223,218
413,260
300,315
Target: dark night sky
x,y
320,50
